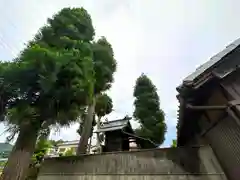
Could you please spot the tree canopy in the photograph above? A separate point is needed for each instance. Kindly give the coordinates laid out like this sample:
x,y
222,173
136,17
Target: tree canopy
x,y
147,111
104,68
49,83
104,105
53,81
104,65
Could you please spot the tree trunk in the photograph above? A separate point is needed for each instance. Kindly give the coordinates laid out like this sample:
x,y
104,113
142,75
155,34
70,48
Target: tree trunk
x,y
20,157
83,142
89,146
98,136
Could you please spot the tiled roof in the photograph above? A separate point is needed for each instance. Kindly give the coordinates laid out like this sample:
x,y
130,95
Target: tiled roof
x,y
113,125
215,59
203,70
69,143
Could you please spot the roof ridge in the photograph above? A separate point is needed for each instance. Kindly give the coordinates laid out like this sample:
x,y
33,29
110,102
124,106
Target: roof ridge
x,y
212,61
111,121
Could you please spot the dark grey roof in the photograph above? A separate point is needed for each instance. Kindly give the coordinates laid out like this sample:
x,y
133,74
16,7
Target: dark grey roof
x,y
215,59
113,125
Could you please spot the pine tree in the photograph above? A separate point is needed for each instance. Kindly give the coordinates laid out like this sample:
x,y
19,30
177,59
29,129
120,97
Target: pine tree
x,y
147,111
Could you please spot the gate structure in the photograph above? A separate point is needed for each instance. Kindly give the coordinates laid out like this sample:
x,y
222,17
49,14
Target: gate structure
x,y
209,111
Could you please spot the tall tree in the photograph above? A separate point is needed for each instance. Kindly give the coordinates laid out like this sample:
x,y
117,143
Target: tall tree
x,y
104,68
47,84
103,107
147,111
82,120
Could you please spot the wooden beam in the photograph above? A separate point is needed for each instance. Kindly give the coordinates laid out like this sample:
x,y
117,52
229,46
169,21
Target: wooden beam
x,y
216,107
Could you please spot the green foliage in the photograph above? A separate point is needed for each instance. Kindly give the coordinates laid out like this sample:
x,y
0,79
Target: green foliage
x,y
52,78
104,65
67,27
2,164
104,105
174,143
41,150
147,111
49,81
69,152
104,68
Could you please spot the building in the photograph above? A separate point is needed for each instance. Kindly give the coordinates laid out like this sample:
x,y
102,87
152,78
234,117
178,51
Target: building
x,y
63,147
68,145
209,110
119,136
5,150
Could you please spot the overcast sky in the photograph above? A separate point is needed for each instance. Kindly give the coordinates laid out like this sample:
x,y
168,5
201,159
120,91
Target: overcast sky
x,y
166,39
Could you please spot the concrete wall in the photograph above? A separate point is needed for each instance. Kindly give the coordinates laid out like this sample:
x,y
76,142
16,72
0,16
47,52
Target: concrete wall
x,y
197,163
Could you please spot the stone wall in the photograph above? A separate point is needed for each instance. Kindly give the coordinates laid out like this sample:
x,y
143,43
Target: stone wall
x,y
198,163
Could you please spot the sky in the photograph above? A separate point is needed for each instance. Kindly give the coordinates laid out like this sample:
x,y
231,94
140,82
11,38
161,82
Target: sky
x,y
165,39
